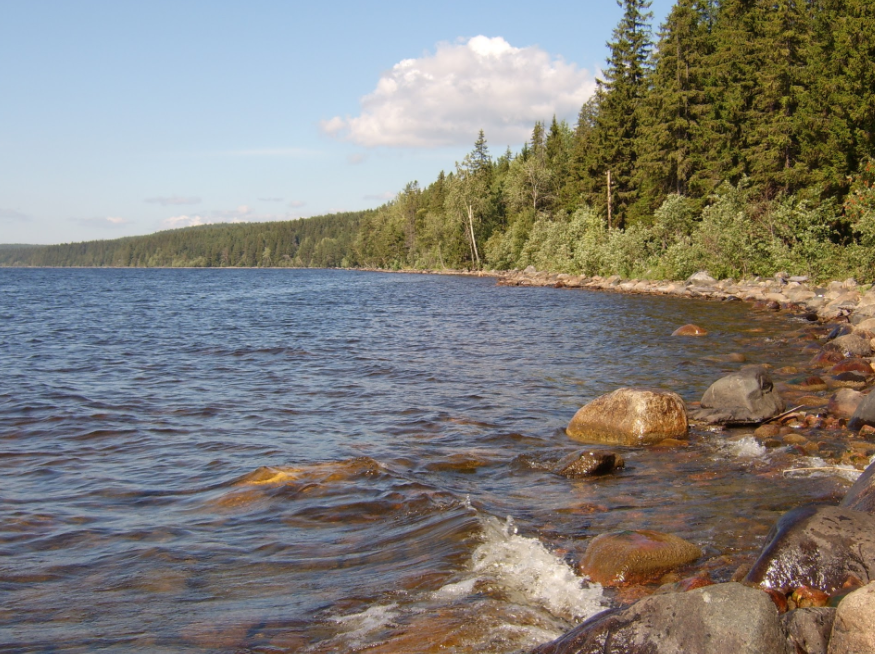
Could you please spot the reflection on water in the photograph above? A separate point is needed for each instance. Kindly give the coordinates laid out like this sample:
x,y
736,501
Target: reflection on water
x,y
325,461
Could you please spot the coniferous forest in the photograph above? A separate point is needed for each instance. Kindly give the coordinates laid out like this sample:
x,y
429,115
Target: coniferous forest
x,y
738,137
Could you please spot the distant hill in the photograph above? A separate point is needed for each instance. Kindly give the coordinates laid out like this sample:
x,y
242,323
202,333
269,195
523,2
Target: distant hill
x,y
321,241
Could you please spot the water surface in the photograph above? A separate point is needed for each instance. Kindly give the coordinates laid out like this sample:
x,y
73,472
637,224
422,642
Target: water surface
x,y
320,461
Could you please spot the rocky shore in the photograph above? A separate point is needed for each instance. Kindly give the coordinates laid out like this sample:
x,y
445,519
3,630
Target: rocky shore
x,y
811,590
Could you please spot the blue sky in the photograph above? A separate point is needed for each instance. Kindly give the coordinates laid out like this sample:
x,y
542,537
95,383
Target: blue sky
x,y
121,118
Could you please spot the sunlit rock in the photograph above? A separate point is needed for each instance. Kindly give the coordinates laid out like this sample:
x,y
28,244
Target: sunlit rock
x,y
630,416
817,546
844,403
808,629
854,628
720,619
634,556
746,396
864,414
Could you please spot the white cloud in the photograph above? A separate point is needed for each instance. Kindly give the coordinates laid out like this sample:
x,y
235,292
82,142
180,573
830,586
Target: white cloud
x,y
296,204
12,214
444,98
173,200
105,222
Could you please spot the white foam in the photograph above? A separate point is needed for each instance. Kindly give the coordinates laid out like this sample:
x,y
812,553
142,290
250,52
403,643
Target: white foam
x,y
746,448
814,466
360,625
527,573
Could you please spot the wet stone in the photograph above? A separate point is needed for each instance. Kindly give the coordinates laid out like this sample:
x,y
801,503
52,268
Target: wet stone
x,y
816,546
744,397
633,556
689,330
589,463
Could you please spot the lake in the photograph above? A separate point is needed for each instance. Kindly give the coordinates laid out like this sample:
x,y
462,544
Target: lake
x,y
330,461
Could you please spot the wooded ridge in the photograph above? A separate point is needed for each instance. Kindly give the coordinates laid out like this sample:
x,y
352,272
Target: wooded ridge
x,y
739,139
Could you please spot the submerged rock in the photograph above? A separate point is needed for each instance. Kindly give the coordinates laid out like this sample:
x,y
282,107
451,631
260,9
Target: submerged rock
x,y
720,619
630,416
689,330
854,628
746,396
589,463
817,546
633,556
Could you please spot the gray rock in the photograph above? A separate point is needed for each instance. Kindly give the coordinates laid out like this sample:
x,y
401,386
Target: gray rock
x,y
817,546
853,631
863,313
808,630
861,496
851,345
865,413
701,278
747,396
720,619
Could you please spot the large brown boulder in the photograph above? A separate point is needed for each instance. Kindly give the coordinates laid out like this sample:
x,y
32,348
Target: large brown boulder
x,y
744,397
719,619
634,556
817,546
864,413
630,416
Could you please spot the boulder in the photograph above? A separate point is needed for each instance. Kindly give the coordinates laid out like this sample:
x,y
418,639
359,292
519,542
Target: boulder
x,y
589,463
808,630
844,403
701,278
689,330
865,413
630,416
719,619
851,345
817,546
634,556
852,365
862,313
747,396
853,630
861,496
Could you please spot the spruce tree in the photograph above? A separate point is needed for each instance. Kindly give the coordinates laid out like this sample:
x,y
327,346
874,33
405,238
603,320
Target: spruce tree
x,y
670,159
616,124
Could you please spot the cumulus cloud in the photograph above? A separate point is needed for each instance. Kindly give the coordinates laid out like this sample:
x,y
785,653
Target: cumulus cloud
x,y
173,200
444,98
108,222
13,215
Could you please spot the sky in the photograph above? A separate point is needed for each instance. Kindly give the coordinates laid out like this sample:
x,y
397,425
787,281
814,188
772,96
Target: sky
x,y
121,118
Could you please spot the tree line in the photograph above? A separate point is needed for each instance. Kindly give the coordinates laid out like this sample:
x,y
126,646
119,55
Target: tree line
x,y
739,138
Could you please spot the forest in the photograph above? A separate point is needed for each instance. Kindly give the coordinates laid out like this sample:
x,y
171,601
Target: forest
x,y
738,138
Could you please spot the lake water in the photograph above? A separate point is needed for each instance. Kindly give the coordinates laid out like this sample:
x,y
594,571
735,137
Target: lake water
x,y
331,461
